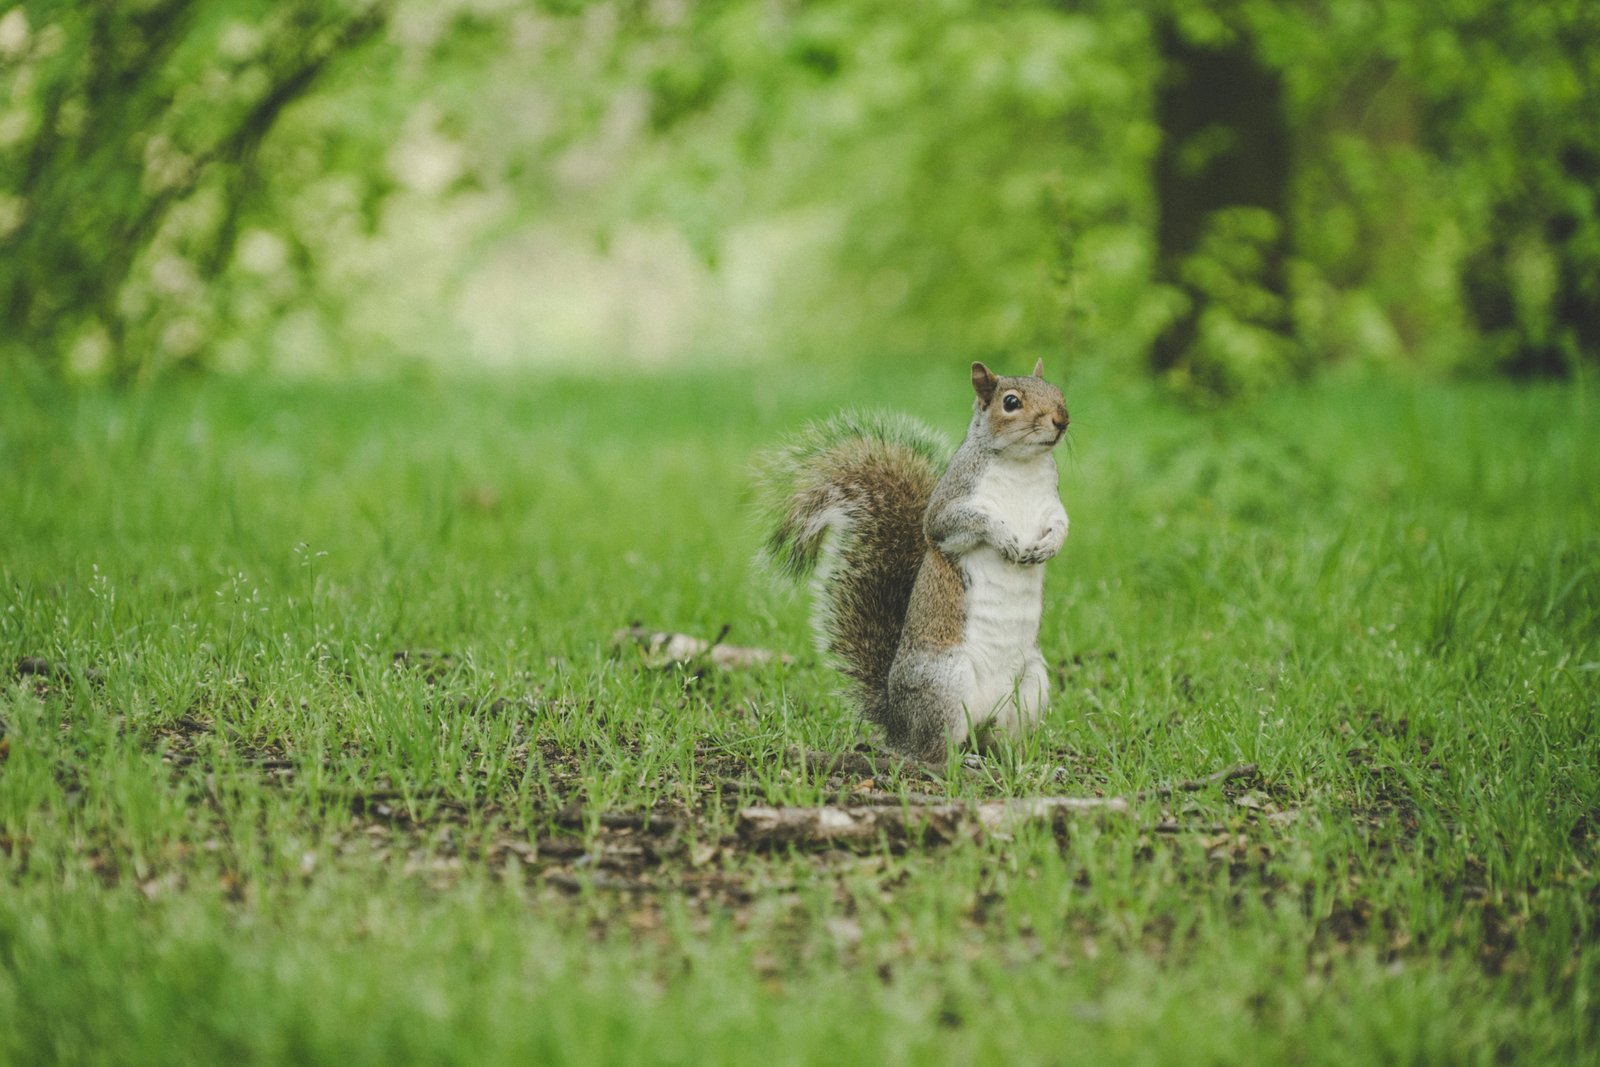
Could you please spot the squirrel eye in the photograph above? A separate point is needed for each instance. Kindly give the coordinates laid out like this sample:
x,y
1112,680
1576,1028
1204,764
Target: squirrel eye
x,y
1012,402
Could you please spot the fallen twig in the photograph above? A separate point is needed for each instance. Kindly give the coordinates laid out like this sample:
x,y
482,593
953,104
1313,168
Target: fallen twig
x,y
660,649
1239,770
903,821
923,815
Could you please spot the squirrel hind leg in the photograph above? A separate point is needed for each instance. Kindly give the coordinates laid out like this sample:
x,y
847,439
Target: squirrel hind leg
x,y
1033,692
923,711
1018,713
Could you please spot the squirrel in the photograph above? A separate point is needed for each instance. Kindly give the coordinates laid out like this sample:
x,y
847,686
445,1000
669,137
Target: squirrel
x,y
929,578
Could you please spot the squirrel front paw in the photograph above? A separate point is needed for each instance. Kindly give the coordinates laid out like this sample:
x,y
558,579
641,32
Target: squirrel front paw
x,y
1049,542
1056,534
1012,550
1038,552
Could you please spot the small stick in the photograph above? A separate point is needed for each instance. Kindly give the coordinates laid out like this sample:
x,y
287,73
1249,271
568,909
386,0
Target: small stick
x,y
948,822
922,814
1240,770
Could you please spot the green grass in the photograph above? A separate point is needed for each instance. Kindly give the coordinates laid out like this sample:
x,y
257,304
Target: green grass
x,y
234,829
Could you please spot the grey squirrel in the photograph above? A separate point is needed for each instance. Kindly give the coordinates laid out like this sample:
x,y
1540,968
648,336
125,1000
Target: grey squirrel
x,y
928,578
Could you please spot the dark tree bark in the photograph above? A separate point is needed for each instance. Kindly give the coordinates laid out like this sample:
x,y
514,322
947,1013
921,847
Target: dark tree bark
x,y
1224,144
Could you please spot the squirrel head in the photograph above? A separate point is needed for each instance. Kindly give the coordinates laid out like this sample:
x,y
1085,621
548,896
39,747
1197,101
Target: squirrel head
x,y
1025,415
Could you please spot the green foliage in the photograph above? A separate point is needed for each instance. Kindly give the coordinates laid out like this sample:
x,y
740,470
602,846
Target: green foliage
x,y
1446,210
292,183
975,179
937,164
128,167
1239,347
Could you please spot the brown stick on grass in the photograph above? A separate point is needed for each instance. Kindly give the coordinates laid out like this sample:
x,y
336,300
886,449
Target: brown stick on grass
x,y
927,817
941,822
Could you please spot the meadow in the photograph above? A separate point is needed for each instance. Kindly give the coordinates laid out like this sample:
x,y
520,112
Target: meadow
x,y
318,745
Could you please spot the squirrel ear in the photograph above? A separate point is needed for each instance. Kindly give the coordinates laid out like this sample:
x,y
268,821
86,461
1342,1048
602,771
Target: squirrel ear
x,y
983,383
1038,369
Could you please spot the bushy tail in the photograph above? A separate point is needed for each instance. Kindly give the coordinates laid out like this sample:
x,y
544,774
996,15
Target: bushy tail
x,y
843,503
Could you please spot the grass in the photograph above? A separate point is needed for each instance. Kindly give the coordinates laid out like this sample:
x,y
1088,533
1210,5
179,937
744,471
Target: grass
x,y
235,827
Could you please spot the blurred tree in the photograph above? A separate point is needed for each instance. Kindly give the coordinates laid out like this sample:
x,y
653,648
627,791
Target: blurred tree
x,y
1528,142
1222,189
1533,284
1445,201
1227,191
131,134
973,176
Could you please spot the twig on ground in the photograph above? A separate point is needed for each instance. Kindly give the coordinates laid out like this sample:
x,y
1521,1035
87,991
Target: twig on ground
x,y
659,650
899,822
1238,770
923,815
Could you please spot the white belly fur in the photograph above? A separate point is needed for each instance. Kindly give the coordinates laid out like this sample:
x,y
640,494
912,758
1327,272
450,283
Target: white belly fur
x,y
1004,599
1004,602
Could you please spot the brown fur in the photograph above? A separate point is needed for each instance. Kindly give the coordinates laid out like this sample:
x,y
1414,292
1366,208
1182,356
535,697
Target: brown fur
x,y
886,491
937,608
